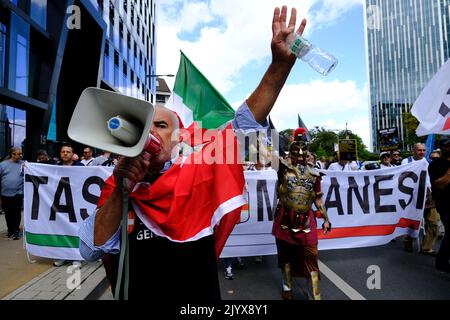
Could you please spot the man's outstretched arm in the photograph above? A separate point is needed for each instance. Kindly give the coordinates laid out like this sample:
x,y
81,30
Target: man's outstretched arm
x,y
263,98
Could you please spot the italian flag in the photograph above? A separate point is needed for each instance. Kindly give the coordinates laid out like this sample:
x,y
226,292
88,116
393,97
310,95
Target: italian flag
x,y
194,98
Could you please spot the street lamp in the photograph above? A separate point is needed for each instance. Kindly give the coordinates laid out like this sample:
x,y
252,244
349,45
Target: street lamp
x,y
159,75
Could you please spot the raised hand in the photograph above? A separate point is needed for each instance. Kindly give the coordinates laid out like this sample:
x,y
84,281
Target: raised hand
x,y
282,32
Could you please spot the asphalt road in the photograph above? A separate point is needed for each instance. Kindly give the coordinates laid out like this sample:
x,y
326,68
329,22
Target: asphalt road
x,y
345,275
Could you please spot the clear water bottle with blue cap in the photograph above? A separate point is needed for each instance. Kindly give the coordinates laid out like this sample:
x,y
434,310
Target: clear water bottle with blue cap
x,y
318,59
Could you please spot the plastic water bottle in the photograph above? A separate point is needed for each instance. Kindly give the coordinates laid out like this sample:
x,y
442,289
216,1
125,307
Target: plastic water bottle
x,y
318,59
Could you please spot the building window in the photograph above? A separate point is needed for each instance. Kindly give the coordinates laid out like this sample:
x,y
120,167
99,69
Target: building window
x,y
124,78
19,55
125,6
121,36
160,99
116,69
12,128
138,29
23,4
38,12
106,75
3,36
132,13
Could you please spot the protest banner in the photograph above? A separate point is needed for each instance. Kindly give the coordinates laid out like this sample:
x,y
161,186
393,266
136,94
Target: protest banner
x,y
57,200
348,149
366,208
388,139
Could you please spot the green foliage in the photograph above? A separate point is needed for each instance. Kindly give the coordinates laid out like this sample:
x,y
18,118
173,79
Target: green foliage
x,y
411,124
323,142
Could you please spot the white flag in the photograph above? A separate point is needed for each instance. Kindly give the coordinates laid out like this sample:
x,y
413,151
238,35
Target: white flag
x,y
432,107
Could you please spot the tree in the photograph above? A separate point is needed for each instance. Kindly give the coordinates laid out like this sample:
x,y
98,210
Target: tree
x,y
411,124
323,142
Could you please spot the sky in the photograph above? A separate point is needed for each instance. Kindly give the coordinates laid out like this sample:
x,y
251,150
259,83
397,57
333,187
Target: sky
x,y
229,42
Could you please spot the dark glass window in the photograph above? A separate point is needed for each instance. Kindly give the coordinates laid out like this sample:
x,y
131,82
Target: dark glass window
x,y
125,5
100,7
138,27
3,37
106,75
23,4
38,12
12,128
132,13
19,54
124,78
116,69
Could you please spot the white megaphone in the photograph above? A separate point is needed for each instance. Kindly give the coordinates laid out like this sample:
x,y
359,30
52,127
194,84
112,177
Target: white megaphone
x,y
114,122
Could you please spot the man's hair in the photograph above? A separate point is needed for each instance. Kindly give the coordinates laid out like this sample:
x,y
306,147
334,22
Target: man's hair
x,y
41,152
66,145
419,144
12,150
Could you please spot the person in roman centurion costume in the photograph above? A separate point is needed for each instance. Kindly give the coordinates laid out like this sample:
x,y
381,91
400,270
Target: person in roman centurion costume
x,y
295,226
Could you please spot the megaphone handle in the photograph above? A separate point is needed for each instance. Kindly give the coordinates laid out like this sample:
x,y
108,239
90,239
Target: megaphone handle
x,y
123,268
128,184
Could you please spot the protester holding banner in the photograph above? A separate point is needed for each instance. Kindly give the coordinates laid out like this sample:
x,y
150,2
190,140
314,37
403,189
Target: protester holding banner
x,y
11,185
173,256
419,152
396,160
66,157
42,157
294,225
87,157
385,160
439,170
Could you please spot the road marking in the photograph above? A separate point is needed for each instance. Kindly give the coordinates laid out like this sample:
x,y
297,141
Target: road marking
x,y
340,283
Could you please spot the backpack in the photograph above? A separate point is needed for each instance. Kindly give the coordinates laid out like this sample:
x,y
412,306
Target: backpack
x,y
108,163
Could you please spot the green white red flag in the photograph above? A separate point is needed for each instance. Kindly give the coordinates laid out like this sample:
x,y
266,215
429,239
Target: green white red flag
x,y
194,98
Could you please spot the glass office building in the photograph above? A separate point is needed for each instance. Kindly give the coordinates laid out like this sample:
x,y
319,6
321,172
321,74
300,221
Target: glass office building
x,y
51,50
407,42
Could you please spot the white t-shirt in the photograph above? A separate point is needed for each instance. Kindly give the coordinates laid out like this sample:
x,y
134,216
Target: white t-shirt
x,y
408,160
87,162
350,166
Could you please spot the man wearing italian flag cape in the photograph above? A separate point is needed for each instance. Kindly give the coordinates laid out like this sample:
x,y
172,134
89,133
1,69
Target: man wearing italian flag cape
x,y
182,209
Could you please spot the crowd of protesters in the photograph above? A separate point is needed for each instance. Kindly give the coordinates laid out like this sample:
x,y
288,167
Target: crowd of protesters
x,y
12,172
11,184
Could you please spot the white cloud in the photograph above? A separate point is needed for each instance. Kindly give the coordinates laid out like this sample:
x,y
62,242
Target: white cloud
x,y
231,34
324,104
243,36
330,11
220,52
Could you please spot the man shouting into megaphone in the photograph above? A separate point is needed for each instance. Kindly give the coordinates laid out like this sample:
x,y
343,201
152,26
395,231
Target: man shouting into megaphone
x,y
181,211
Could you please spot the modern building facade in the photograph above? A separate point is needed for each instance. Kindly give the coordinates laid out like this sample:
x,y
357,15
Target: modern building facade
x,y
162,92
407,42
51,50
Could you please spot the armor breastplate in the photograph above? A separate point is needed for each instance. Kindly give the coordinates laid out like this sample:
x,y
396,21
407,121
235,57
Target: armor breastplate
x,y
296,188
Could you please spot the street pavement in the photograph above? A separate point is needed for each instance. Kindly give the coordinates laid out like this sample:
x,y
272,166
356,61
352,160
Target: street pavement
x,y
15,270
345,275
25,277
